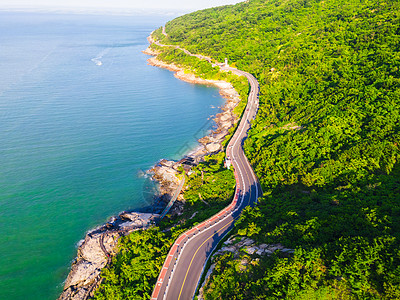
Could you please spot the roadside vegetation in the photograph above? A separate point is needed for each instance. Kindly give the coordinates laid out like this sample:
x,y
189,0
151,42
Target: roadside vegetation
x,y
134,270
325,146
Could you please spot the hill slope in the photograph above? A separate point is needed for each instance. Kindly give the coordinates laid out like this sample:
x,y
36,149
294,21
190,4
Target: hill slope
x,y
325,144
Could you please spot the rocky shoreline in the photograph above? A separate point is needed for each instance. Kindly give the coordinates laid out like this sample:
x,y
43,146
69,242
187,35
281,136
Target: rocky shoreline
x,y
98,247
165,171
95,251
211,143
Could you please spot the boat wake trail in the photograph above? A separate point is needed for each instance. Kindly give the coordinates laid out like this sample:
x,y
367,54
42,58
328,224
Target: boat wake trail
x,y
97,59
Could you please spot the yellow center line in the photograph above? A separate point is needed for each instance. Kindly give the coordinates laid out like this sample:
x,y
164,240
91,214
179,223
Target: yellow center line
x,y
248,177
187,272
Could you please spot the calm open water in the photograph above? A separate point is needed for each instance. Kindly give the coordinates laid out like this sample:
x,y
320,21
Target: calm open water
x,y
81,114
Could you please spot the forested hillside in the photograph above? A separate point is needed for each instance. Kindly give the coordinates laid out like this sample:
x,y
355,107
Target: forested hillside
x,y
325,144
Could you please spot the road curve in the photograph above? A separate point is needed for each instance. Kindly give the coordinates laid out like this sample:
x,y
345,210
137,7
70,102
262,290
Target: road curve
x,y
187,257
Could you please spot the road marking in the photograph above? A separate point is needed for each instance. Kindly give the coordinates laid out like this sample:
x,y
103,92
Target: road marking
x,y
200,233
234,219
212,250
184,280
252,99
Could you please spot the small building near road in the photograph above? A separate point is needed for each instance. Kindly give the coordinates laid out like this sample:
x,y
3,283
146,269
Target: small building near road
x,y
227,163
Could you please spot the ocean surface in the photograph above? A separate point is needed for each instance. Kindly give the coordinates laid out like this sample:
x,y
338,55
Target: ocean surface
x,y
82,116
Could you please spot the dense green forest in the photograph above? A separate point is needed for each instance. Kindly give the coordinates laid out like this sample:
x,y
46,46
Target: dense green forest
x,y
325,146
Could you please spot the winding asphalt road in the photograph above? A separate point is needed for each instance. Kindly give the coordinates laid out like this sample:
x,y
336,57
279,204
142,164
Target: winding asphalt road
x,y
188,256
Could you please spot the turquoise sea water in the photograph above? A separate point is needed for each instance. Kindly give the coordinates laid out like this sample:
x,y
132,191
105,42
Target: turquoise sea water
x,y
81,114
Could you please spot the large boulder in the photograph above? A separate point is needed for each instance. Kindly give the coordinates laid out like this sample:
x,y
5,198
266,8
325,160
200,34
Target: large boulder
x,y
213,147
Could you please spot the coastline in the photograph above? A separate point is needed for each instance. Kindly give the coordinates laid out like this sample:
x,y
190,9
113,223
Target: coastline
x,y
224,120
208,144
96,250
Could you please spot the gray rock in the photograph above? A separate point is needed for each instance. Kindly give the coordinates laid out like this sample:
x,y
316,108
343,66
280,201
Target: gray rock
x,y
167,163
250,250
164,173
225,116
75,294
273,248
260,252
228,249
287,250
213,147
247,242
228,241
244,262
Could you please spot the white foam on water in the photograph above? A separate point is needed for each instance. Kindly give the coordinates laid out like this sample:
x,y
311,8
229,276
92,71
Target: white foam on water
x,y
79,243
97,59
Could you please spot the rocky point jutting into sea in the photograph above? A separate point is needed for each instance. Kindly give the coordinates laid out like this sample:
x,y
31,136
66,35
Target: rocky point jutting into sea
x,y
95,250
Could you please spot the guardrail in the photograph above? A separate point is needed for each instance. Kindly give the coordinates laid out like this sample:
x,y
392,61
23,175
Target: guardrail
x,y
178,246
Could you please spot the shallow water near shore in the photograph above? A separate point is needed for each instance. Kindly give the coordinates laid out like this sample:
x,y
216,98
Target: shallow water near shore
x,y
81,115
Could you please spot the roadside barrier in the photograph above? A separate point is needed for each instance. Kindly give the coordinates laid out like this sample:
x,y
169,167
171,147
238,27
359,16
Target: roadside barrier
x,y
178,246
181,242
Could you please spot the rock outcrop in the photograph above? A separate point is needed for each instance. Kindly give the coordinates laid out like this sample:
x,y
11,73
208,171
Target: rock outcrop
x,y
239,246
95,251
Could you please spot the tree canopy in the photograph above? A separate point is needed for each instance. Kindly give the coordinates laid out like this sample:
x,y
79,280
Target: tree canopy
x,y
325,143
